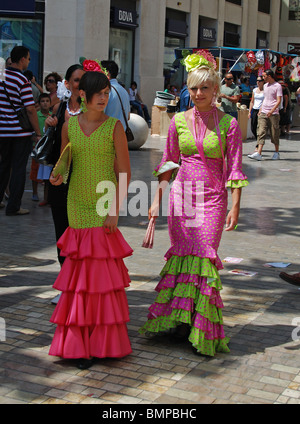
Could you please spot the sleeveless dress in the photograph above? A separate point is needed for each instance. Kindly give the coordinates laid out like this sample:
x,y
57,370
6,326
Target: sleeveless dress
x,y
92,311
190,285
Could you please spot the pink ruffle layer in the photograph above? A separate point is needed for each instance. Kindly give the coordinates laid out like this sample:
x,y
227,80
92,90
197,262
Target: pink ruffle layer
x,y
165,309
82,243
85,309
212,330
170,281
83,342
92,312
92,275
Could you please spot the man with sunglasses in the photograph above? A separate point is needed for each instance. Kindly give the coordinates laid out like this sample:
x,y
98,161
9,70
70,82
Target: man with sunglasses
x,y
229,97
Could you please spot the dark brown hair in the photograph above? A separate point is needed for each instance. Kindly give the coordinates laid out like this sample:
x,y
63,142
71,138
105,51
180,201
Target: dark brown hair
x,y
92,83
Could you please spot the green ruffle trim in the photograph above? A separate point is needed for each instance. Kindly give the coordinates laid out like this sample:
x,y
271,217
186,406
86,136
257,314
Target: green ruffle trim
x,y
208,347
193,265
164,323
190,265
201,302
196,337
237,183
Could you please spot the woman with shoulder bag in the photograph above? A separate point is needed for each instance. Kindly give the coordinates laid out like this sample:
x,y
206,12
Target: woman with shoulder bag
x,y
57,195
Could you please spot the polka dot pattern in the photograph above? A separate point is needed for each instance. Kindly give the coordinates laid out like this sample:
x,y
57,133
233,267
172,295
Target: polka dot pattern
x,y
189,289
92,162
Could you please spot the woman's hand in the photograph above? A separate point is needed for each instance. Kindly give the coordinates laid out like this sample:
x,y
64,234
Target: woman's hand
x,y
153,211
233,216
232,219
51,122
111,224
56,181
163,181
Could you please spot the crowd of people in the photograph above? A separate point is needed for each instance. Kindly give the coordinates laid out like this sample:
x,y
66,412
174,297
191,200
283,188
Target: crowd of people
x,y
203,147
268,101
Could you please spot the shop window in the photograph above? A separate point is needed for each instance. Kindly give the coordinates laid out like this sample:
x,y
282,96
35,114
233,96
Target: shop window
x,y
262,40
294,10
26,32
121,51
176,31
231,35
264,6
239,2
173,70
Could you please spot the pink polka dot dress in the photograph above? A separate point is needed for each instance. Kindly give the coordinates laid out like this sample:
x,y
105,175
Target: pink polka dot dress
x,y
190,285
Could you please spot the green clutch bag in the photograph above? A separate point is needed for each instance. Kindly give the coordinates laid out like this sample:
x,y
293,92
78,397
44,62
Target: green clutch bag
x,y
63,164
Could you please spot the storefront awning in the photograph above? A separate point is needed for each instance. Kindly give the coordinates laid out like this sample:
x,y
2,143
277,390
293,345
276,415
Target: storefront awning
x,y
236,57
229,52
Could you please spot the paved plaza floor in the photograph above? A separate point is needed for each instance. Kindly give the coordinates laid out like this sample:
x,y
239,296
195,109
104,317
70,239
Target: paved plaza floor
x,y
261,314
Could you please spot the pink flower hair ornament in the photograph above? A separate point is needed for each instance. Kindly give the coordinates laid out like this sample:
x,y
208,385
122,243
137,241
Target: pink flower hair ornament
x,y
92,66
198,59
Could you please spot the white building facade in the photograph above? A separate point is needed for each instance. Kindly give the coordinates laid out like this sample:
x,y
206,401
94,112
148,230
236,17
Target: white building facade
x,y
140,35
289,30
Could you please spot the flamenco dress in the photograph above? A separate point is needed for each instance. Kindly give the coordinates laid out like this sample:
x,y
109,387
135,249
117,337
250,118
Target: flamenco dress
x,y
92,311
190,285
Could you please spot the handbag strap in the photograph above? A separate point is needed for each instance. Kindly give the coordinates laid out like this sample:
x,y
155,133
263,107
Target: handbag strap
x,y
9,99
124,114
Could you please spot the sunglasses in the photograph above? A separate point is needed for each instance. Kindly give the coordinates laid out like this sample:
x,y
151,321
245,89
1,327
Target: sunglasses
x,y
50,80
228,79
260,80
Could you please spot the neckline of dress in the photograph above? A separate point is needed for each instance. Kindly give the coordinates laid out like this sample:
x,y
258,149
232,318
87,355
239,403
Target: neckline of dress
x,y
212,131
205,114
88,136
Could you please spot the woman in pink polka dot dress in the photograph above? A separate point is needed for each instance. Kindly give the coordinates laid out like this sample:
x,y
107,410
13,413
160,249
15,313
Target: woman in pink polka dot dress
x,y
200,140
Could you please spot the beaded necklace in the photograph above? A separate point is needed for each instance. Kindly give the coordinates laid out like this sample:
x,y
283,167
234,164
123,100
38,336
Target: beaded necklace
x,y
72,113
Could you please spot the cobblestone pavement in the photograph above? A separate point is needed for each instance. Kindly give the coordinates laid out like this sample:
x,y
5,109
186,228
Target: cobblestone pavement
x,y
259,315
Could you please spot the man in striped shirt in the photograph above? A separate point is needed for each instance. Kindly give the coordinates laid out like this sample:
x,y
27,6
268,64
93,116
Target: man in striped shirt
x,y
15,142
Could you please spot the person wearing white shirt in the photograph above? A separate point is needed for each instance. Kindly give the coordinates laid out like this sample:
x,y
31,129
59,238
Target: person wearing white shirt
x,y
255,104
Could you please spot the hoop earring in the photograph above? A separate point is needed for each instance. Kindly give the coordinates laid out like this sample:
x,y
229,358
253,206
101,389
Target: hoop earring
x,y
83,107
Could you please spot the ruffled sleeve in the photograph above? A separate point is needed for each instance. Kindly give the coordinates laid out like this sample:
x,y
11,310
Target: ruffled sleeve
x,y
171,154
235,176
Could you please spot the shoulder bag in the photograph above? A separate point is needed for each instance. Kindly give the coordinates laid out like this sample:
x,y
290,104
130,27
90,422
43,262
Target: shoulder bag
x,y
42,152
21,113
128,132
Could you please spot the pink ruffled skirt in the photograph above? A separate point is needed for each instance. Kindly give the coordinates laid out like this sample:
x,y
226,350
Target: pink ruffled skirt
x,y
92,311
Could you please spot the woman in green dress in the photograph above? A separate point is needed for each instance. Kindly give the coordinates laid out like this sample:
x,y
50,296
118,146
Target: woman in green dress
x,y
92,312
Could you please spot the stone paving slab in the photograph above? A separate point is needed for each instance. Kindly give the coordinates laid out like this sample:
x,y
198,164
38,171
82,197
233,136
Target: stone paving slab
x,y
259,315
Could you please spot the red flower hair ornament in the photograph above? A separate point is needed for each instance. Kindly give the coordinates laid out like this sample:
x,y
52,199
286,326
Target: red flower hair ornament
x,y
92,66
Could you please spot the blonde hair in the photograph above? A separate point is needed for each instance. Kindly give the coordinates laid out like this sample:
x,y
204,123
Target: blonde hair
x,y
203,74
